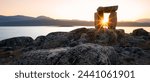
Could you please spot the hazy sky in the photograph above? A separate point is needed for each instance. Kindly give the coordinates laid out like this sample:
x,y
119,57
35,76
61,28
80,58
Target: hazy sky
x,y
129,10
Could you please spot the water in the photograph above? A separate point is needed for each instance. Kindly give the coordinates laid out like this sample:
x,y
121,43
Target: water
x,y
34,31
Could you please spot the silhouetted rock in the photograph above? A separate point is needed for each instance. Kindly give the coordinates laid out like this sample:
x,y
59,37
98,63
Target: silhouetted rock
x,y
80,36
112,20
120,33
98,20
39,41
135,39
75,34
54,40
17,42
107,9
140,32
91,35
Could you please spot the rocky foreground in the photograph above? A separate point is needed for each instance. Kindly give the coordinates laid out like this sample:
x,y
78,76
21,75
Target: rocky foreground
x,y
79,47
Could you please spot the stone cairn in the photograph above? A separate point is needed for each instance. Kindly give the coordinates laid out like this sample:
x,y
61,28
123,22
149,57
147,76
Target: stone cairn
x,y
99,17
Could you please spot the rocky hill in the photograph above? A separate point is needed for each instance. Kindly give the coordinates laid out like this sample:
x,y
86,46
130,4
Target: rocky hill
x,y
143,20
20,20
78,47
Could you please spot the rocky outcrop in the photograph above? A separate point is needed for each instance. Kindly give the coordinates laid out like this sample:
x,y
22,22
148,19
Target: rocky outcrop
x,y
16,42
103,37
106,37
140,32
82,35
131,40
88,54
39,41
132,56
52,40
78,47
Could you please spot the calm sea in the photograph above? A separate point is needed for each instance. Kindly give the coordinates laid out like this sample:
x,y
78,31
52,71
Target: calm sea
x,y
34,31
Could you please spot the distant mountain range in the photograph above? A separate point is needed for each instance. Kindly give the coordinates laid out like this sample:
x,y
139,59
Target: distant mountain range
x,y
143,20
20,20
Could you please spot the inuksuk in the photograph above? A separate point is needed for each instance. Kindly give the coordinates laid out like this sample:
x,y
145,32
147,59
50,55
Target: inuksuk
x,y
99,17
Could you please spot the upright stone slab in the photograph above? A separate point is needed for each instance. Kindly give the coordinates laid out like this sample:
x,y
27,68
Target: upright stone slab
x,y
112,20
98,20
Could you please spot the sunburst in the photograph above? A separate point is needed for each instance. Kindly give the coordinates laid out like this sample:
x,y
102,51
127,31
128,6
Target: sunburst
x,y
102,23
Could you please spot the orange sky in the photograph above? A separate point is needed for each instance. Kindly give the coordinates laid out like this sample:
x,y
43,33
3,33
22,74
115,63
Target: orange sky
x,y
129,10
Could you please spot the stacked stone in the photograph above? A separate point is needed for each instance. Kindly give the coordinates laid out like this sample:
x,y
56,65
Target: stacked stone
x,y
99,16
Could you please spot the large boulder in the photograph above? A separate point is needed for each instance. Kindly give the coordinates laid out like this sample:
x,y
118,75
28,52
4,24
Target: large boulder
x,y
120,33
89,54
140,32
81,35
17,42
39,41
76,34
56,39
134,41
52,40
131,41
91,33
132,56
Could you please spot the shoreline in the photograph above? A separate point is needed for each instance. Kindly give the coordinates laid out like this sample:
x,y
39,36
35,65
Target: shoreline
x,y
6,34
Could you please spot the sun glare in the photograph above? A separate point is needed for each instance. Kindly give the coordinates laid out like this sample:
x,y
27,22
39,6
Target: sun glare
x,y
105,20
105,23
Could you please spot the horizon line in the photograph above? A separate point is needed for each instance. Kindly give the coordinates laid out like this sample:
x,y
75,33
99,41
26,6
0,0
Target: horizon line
x,y
70,19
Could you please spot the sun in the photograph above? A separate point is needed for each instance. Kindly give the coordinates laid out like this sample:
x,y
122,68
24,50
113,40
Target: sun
x,y
105,22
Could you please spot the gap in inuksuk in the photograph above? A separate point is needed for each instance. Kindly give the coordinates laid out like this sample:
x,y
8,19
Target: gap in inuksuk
x,y
112,19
